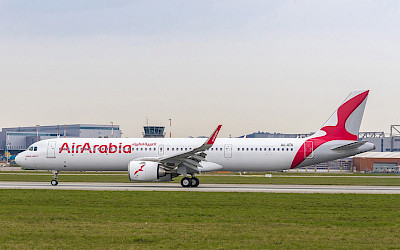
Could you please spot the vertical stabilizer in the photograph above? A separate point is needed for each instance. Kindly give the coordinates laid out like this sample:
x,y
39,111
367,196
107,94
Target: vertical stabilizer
x,y
344,123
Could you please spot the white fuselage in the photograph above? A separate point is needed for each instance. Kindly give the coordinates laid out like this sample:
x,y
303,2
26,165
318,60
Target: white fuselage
x,y
115,154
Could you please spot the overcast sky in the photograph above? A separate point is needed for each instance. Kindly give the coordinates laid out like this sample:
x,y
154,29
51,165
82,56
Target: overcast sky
x,y
277,66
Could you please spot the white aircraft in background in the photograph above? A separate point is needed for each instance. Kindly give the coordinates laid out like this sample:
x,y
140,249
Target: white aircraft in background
x,y
161,159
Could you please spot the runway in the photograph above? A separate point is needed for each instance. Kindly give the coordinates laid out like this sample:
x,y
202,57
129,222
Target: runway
x,y
96,186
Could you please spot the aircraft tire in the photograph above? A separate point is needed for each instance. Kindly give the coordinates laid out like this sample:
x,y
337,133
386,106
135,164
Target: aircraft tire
x,y
54,182
195,182
186,182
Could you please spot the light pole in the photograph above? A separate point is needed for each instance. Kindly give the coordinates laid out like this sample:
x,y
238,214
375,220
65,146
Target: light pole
x,y
37,133
112,129
170,124
7,143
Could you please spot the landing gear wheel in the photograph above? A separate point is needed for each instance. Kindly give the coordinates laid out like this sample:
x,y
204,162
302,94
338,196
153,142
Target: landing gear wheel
x,y
186,182
54,182
194,182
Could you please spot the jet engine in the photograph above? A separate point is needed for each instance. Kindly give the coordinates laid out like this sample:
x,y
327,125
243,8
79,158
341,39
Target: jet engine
x,y
145,171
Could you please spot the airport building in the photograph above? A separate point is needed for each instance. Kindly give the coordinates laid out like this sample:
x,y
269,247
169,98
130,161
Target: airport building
x,y
383,142
377,162
18,139
274,135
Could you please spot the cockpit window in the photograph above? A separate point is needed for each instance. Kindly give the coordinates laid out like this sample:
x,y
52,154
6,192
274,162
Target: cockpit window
x,y
31,149
35,149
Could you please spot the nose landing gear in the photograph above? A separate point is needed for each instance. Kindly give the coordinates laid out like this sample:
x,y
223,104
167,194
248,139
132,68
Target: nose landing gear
x,y
54,182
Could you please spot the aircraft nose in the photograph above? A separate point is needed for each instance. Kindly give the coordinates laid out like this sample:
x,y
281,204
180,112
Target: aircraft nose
x,y
18,159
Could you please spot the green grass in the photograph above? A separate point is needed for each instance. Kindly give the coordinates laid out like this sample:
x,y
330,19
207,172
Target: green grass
x,y
302,180
229,179
147,220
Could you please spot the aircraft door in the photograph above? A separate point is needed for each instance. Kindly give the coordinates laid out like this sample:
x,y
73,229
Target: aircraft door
x,y
161,149
51,149
308,149
228,151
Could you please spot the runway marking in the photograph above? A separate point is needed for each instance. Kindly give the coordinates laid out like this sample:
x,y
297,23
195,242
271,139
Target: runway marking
x,y
95,186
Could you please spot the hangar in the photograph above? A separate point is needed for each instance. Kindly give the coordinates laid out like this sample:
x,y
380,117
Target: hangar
x,y
377,162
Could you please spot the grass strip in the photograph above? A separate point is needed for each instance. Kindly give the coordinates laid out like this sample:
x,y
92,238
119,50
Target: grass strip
x,y
214,179
148,220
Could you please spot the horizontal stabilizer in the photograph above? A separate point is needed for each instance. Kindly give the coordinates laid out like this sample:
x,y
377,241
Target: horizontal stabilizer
x,y
350,145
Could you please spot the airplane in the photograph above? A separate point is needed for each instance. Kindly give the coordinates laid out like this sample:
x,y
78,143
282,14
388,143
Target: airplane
x,y
162,159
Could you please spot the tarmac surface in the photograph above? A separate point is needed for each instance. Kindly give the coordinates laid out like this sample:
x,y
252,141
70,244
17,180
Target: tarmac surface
x,y
96,186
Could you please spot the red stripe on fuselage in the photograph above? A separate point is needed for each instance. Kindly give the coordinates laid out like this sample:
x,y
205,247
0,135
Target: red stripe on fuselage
x,y
337,132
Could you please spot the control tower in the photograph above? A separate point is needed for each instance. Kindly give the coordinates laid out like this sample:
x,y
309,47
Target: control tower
x,y
153,132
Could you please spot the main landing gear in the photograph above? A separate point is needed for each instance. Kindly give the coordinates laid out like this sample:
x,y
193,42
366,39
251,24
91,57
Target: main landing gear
x,y
54,182
190,182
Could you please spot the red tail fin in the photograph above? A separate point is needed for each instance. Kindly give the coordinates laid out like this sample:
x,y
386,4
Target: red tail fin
x,y
344,124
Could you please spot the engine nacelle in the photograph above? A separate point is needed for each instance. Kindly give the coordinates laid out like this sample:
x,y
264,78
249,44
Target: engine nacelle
x,y
145,171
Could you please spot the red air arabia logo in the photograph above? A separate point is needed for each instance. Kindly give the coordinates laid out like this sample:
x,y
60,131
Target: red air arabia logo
x,y
337,132
140,169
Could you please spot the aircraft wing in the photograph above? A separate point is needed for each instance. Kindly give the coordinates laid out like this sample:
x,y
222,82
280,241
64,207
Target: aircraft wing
x,y
190,159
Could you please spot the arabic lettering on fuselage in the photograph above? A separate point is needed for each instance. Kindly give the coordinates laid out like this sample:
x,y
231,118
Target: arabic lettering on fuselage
x,y
104,148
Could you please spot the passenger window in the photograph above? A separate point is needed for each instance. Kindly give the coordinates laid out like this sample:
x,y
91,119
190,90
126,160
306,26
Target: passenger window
x,y
256,149
216,149
278,149
242,149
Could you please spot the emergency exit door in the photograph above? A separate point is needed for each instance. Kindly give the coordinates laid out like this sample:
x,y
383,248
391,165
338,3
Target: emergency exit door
x,y
51,150
228,151
309,149
161,149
